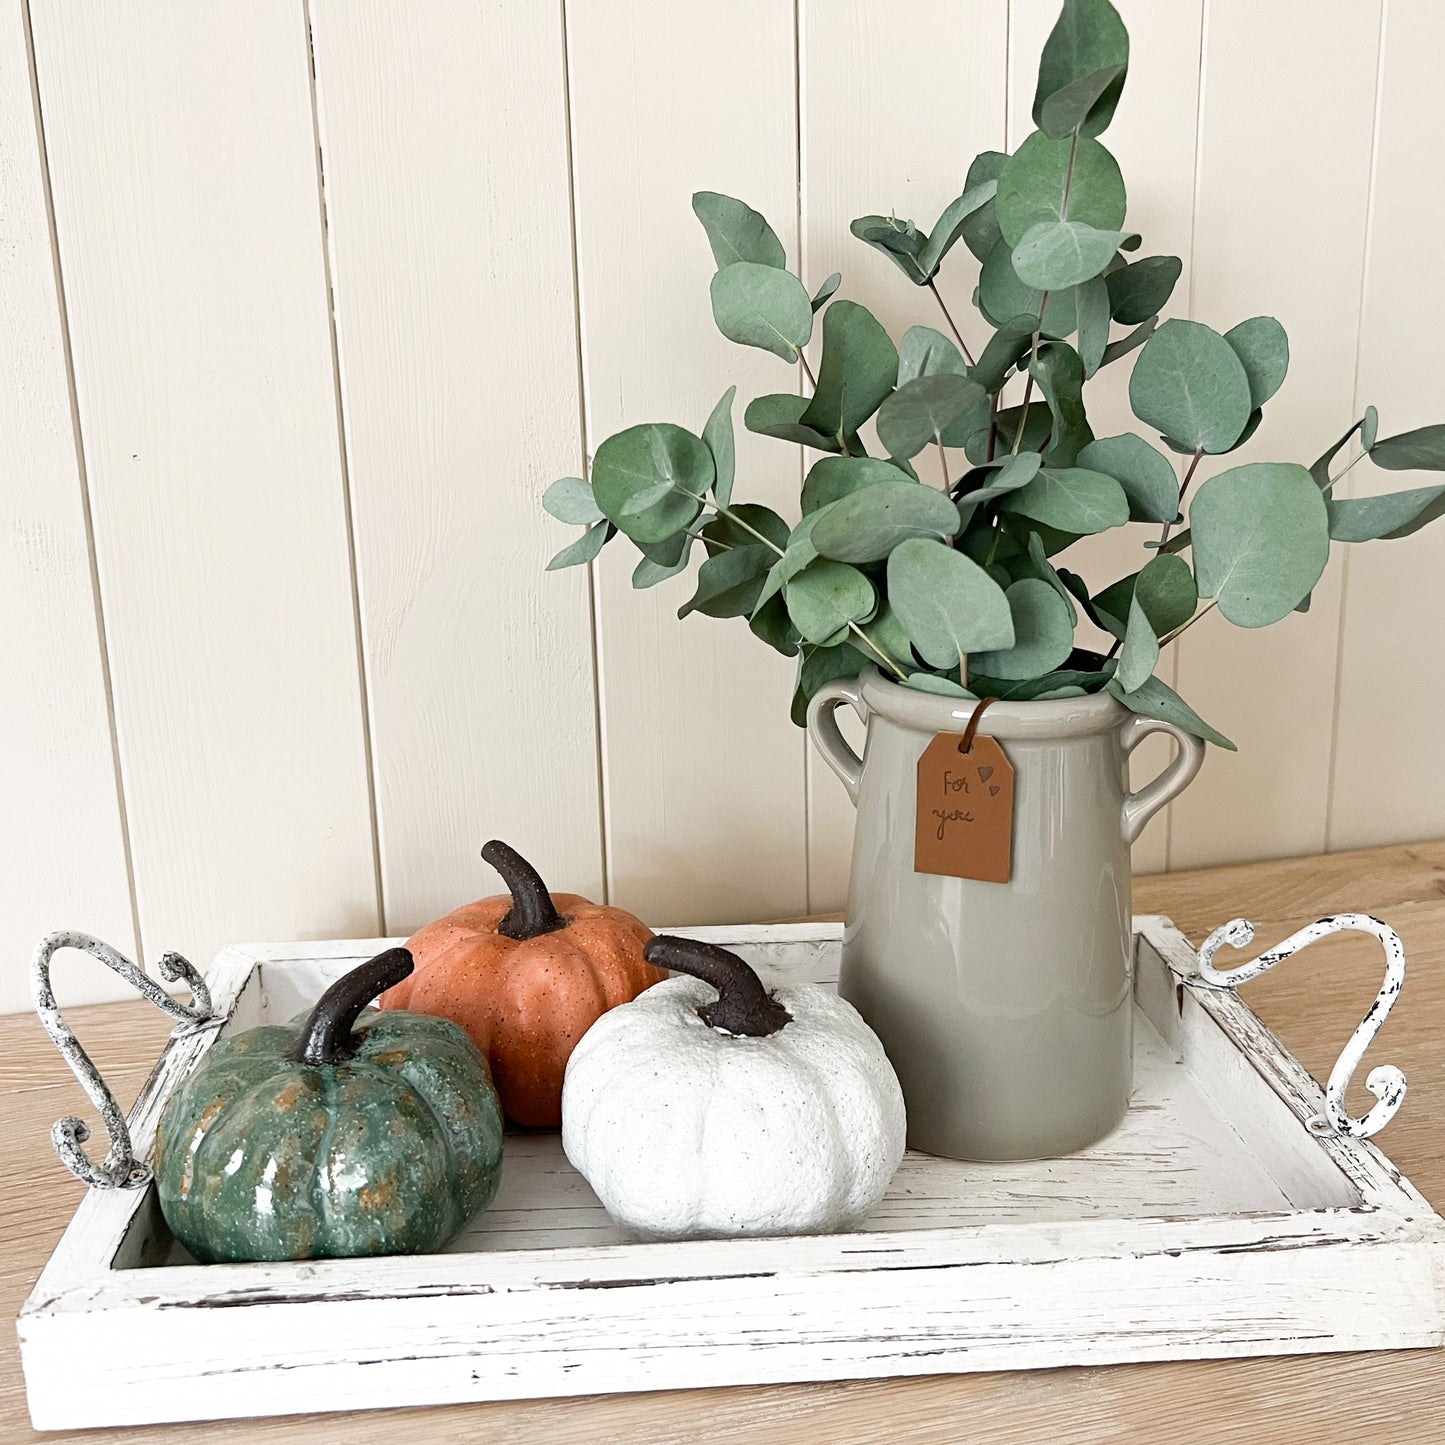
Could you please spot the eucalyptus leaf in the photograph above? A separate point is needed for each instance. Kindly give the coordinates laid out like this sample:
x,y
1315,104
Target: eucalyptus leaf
x,y
1320,471
1143,288
770,623
1054,255
1016,471
1110,608
926,352
744,525
570,499
947,603
584,549
1192,386
980,231
1060,375
950,224
1005,349
781,415
762,306
858,370
1395,514
833,477
818,666
652,570
1036,688
1088,37
1043,634
1420,450
1002,297
921,412
1091,306
642,459
1144,472
1037,426
1059,180
824,292
1261,540
1069,108
900,241
1125,344
1043,569
1369,428
736,232
1157,699
1071,499
1263,349
826,596
729,582
1164,598
868,524
718,436
935,683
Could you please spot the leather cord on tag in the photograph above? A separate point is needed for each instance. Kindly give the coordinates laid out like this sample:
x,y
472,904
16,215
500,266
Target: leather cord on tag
x,y
965,743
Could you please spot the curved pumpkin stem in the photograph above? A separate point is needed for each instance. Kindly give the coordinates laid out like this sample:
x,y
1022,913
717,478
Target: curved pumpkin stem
x,y
743,1005
532,912
327,1037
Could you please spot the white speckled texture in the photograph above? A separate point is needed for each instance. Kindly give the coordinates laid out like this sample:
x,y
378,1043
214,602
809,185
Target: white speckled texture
x,y
687,1132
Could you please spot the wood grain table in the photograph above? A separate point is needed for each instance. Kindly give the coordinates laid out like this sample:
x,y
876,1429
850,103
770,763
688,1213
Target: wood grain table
x,y
1312,1004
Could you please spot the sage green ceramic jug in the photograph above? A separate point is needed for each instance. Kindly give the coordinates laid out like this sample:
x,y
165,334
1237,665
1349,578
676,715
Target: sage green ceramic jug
x,y
1006,1008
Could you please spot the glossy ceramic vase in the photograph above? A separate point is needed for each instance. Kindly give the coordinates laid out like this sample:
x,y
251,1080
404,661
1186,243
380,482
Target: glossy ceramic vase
x,y
1006,1008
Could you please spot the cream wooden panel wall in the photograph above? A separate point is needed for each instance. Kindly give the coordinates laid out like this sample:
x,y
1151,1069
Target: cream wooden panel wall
x,y
329,291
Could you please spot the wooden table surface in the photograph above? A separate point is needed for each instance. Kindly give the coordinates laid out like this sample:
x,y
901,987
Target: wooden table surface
x,y
1313,1004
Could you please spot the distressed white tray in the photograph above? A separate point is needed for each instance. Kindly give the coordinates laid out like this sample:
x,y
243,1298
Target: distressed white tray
x,y
1211,1223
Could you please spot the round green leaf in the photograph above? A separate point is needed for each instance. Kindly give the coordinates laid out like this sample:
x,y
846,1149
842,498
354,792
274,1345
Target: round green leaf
x,y
859,367
835,477
1369,428
948,605
1260,536
1189,383
1014,472
1155,699
1071,499
1142,289
1036,182
1395,514
762,306
1144,472
641,460
935,683
728,584
1002,297
718,435
818,666
1420,450
1043,634
1054,255
922,411
1263,350
926,352
736,232
1087,38
584,549
829,286
826,596
868,524
781,415
1164,598
570,499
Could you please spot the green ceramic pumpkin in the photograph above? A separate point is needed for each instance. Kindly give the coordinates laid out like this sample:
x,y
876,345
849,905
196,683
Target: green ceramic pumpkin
x,y
338,1134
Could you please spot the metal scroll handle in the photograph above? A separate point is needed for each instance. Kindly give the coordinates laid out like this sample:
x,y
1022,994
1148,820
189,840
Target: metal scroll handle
x,y
1385,1082
121,1170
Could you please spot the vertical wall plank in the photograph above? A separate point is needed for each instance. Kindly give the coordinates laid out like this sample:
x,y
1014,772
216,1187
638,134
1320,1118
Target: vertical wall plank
x,y
444,141
187,208
1289,96
1154,136
703,770
892,113
62,850
1387,784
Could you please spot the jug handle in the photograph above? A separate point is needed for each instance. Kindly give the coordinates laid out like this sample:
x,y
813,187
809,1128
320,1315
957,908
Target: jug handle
x,y
1189,755
828,738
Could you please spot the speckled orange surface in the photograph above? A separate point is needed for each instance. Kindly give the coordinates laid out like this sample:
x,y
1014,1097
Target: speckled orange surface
x,y
527,1002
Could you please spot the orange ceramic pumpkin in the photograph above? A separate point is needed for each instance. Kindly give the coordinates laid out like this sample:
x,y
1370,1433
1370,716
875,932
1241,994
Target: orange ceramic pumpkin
x,y
526,976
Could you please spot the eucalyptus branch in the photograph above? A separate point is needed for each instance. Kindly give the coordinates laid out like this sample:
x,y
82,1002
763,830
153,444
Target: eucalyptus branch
x,y
879,652
943,462
807,370
1183,487
957,334
1185,626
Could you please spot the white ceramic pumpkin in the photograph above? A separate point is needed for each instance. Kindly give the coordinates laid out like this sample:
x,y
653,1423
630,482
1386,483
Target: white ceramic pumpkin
x,y
714,1106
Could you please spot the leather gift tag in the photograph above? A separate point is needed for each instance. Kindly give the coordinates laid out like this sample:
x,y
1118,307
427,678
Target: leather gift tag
x,y
965,810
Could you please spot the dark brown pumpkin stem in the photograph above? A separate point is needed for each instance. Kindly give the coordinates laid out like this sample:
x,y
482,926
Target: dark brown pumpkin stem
x,y
327,1036
532,912
743,1005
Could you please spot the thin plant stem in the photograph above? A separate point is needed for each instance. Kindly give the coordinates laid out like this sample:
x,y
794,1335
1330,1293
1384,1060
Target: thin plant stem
x,y
1334,481
992,424
1185,626
943,462
807,370
1028,392
882,656
957,334
1183,487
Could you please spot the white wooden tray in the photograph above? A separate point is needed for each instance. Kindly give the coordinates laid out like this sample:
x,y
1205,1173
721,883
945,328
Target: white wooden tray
x,y
1211,1223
